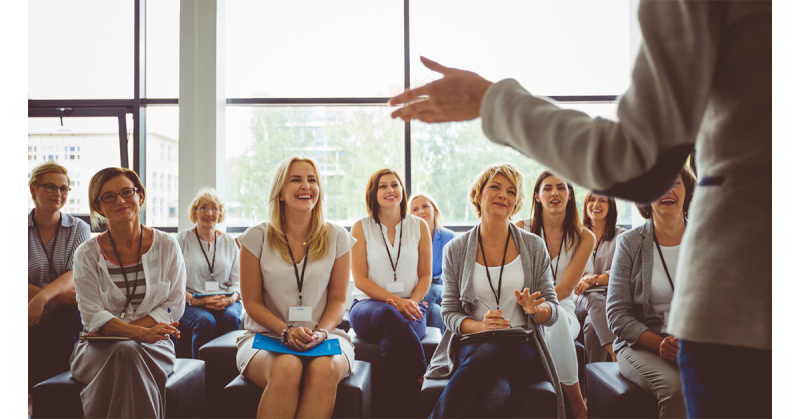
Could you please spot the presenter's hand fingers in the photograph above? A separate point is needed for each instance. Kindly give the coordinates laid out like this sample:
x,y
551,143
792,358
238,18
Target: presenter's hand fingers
x,y
413,110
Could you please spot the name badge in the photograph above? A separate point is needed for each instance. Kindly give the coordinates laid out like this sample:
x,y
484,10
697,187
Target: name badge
x,y
212,286
300,314
395,287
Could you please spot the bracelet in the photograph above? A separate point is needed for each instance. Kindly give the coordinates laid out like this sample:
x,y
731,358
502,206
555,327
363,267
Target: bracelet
x,y
323,330
286,332
190,301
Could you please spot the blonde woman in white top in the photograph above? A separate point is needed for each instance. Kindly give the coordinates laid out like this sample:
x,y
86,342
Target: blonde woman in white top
x,y
392,274
129,282
296,259
555,219
212,267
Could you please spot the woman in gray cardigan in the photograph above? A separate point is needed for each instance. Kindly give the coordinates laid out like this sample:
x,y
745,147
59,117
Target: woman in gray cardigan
x,y
640,292
496,264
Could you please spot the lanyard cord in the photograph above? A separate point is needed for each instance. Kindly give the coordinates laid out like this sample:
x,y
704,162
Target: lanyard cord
x,y
594,254
50,268
558,261
300,278
128,292
214,258
399,247
502,265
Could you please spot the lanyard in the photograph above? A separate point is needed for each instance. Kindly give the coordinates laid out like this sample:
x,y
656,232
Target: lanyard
x,y
214,258
300,278
399,247
502,265
128,291
663,262
563,237
50,268
594,254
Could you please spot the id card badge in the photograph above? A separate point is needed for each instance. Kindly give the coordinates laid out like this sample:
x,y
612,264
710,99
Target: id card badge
x,y
664,318
395,287
300,314
212,286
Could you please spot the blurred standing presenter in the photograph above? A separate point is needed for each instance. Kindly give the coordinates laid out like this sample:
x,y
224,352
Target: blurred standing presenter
x,y
702,78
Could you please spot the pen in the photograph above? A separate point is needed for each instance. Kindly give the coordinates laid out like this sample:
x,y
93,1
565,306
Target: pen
x,y
487,305
169,311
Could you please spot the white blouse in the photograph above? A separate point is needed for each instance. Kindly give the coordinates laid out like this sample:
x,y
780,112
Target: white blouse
x,y
380,267
560,265
280,291
226,265
100,300
660,289
513,279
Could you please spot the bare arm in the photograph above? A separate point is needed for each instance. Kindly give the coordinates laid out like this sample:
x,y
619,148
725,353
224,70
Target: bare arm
x,y
423,265
251,284
573,273
53,290
337,293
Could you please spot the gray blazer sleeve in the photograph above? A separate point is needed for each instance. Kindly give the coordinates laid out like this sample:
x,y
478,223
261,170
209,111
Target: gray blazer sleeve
x,y
619,304
452,311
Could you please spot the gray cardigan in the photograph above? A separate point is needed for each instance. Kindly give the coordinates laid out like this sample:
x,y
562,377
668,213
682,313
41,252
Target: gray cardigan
x,y
458,299
628,304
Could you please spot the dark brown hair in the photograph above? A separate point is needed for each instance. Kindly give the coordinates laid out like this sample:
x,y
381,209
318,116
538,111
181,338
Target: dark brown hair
x,y
611,217
572,224
689,182
372,193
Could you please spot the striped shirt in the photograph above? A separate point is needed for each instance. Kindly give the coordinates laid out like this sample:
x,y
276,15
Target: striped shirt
x,y
138,287
73,232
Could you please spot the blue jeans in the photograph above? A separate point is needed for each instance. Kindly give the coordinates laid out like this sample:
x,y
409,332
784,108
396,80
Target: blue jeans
x,y
725,381
486,374
50,343
434,300
203,325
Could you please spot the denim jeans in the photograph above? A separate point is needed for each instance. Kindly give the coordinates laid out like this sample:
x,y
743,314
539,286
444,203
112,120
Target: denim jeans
x,y
203,325
486,375
725,381
50,343
434,300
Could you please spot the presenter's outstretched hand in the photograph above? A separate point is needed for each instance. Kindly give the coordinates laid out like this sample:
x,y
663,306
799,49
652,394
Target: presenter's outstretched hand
x,y
457,96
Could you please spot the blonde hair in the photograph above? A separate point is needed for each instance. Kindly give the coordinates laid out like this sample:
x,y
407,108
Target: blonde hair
x,y
96,185
510,171
318,238
48,167
206,195
437,215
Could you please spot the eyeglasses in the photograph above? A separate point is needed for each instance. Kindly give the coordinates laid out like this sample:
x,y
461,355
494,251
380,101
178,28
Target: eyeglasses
x,y
50,188
110,197
204,208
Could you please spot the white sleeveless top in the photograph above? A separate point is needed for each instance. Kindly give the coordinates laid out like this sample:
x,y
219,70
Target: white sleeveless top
x,y
560,265
379,267
513,279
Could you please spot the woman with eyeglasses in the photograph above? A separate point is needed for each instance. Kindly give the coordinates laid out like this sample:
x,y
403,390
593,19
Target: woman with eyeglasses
x,y
212,273
131,284
53,318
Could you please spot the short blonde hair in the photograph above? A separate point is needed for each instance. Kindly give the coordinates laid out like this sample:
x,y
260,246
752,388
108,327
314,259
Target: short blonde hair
x,y
206,195
48,167
96,185
510,171
437,215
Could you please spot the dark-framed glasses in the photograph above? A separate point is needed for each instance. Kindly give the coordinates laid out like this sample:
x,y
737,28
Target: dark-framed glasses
x,y
110,197
50,188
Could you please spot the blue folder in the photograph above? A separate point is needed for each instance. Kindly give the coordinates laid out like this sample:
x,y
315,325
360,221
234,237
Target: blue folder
x,y
329,347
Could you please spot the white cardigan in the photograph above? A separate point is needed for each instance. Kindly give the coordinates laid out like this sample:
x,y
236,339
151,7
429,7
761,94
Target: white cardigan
x,y
100,300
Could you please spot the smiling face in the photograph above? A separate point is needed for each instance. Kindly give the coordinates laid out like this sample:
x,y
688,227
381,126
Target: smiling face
x,y
301,190
498,199
553,194
207,214
423,208
597,209
121,209
670,205
390,192
46,201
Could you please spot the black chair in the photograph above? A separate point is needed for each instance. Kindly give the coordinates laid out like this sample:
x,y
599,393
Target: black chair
x,y
353,397
220,358
60,396
537,400
610,395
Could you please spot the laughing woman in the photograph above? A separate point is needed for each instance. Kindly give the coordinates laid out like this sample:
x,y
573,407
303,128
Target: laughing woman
x,y
555,219
296,259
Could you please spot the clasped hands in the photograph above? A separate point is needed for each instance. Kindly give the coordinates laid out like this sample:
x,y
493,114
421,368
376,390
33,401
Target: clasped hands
x,y
530,303
585,283
669,348
302,338
214,302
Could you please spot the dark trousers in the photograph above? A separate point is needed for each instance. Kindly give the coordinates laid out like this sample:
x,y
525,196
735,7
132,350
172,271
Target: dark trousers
x,y
726,381
50,343
202,325
434,300
401,351
486,375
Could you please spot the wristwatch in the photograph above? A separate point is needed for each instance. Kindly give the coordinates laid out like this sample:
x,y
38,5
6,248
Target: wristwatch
x,y
285,332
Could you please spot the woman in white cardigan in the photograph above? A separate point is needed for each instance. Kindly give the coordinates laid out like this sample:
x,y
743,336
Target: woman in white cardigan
x,y
130,283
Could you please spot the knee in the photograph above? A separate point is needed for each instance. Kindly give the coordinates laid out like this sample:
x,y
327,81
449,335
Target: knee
x,y
126,351
286,371
321,372
496,395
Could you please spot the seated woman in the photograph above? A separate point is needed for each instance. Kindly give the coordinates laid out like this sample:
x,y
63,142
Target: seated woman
x,y
600,216
130,282
294,260
639,294
555,219
212,267
425,207
53,318
392,274
491,263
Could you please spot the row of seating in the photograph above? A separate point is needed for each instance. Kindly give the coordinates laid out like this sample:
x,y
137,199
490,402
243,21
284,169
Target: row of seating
x,y
360,395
